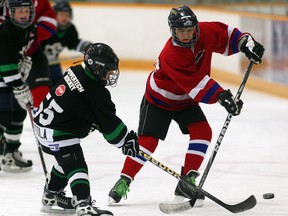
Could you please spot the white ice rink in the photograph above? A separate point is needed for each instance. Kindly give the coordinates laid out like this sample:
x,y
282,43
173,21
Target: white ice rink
x,y
253,159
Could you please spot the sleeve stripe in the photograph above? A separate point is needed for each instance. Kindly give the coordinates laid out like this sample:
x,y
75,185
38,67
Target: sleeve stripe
x,y
9,67
210,93
232,46
194,92
229,31
234,42
48,20
115,133
49,29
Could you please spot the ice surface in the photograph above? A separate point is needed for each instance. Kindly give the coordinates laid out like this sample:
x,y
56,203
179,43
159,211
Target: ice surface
x,y
253,159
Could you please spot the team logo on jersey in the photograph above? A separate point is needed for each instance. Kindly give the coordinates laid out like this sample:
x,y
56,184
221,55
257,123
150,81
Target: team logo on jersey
x,y
60,90
72,81
199,55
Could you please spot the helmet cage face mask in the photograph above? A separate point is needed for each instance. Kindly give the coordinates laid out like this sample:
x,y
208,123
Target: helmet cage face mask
x,y
18,6
108,72
180,18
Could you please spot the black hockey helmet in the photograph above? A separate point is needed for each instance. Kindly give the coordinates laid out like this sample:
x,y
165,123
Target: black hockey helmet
x,y
100,59
13,5
183,17
62,6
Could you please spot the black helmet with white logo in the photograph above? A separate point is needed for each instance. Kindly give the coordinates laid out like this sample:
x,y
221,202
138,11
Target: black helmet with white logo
x,y
183,17
100,59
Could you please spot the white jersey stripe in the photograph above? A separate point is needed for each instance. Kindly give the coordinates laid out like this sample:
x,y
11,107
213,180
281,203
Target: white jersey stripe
x,y
12,78
47,19
164,93
229,31
201,85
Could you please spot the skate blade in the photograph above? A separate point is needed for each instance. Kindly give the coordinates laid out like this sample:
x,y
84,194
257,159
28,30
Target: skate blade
x,y
56,210
111,201
12,168
181,199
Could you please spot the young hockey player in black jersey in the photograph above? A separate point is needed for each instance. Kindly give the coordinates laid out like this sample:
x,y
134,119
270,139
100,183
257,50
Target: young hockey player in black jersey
x,y
78,104
66,36
14,36
38,78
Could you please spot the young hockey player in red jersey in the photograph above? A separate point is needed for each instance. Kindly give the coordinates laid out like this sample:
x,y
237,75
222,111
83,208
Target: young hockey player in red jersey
x,y
66,36
181,80
78,104
14,37
39,80
36,67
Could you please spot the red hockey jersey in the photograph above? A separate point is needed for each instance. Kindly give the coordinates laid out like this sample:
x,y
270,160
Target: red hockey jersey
x,y
182,75
45,20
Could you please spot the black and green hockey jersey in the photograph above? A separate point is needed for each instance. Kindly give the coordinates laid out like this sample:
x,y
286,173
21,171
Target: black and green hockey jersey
x,y
13,42
78,104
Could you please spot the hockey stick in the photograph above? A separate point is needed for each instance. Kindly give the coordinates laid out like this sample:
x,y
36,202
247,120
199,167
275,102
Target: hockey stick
x,y
63,60
28,106
189,204
225,126
245,205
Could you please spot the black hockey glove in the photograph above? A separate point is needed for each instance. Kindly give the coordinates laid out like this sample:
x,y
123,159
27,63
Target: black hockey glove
x,y
227,100
251,48
131,146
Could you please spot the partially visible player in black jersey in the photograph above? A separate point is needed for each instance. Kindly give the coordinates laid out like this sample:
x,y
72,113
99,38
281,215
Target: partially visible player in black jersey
x,y
2,11
14,93
77,105
66,37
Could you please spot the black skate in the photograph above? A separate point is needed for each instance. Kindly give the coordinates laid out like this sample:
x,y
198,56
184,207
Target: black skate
x,y
86,208
14,162
182,191
56,202
119,190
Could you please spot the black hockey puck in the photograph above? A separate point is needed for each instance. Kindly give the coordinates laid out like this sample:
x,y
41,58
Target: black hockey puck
x,y
268,196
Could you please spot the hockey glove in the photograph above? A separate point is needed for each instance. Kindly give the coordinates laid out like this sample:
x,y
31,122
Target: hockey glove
x,y
227,100
24,67
23,95
131,146
251,48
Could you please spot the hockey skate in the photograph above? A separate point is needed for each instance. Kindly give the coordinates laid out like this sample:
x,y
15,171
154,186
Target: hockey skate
x,y
119,190
56,202
14,162
86,208
182,191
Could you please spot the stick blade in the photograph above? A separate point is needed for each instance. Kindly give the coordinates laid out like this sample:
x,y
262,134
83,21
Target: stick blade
x,y
174,207
247,204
